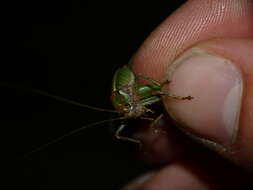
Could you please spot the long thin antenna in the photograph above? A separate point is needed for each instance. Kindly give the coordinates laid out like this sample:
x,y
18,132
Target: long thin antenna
x,y
71,133
58,98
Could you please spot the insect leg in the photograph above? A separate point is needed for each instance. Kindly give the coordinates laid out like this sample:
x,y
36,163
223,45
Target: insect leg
x,y
160,85
153,125
148,79
164,94
118,136
166,82
152,80
147,118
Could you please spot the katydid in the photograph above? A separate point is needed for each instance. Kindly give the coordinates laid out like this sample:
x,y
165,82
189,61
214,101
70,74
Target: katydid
x,y
129,98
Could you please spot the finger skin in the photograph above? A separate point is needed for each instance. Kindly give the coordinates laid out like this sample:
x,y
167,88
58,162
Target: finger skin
x,y
193,174
239,51
197,21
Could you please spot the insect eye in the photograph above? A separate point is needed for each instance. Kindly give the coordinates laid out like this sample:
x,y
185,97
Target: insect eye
x,y
127,106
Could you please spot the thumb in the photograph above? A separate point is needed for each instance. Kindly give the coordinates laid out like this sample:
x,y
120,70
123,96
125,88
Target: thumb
x,y
219,75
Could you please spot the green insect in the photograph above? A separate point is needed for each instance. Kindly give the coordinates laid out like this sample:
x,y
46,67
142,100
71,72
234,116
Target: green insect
x,y
129,98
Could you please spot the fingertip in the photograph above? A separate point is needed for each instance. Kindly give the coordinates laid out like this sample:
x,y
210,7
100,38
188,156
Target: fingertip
x,y
217,75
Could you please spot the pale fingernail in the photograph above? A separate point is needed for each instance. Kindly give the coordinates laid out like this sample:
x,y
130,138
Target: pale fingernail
x,y
216,87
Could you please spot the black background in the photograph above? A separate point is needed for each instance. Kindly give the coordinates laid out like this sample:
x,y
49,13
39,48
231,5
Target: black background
x,y
71,49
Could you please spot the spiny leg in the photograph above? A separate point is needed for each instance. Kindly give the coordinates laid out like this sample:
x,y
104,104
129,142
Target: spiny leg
x,y
153,125
148,79
118,136
152,80
161,85
175,97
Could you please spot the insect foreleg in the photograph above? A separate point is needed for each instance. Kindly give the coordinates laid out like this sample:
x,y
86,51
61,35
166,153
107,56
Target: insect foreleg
x,y
148,79
153,81
164,94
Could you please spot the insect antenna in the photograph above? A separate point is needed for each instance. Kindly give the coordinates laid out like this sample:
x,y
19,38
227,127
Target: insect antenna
x,y
71,133
58,98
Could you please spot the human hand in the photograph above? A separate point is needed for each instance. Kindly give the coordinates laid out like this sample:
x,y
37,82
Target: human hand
x,y
213,40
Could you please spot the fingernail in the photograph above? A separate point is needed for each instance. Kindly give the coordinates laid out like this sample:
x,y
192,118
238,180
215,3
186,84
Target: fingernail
x,y
216,86
135,184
